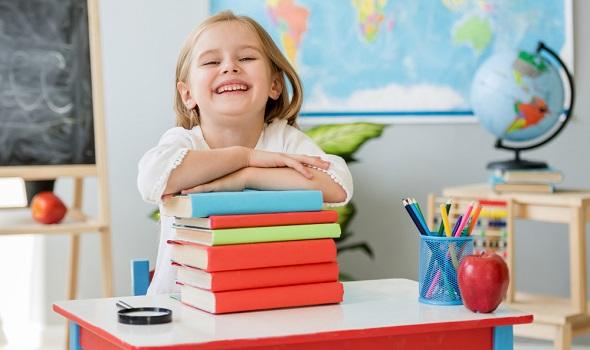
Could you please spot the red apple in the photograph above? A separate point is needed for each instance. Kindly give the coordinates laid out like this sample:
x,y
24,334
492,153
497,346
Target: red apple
x,y
483,281
47,208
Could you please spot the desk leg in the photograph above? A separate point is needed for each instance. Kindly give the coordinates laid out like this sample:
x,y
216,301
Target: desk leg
x,y
578,259
74,336
510,251
503,338
107,262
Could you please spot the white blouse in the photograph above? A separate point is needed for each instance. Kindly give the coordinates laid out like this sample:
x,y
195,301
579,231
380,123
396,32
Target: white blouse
x,y
157,163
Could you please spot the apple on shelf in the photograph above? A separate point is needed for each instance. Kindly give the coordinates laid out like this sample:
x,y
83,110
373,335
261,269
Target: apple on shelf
x,y
47,208
483,281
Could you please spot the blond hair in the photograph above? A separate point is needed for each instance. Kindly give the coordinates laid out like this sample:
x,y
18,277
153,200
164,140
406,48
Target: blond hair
x,y
281,108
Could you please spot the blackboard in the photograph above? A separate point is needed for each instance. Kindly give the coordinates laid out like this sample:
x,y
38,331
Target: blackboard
x,y
45,83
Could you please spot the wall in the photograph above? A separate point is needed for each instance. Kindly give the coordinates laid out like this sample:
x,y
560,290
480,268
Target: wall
x,y
139,53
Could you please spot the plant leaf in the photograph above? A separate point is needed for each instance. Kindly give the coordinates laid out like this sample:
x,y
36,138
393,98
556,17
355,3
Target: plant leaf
x,y
155,215
345,277
344,139
363,246
345,215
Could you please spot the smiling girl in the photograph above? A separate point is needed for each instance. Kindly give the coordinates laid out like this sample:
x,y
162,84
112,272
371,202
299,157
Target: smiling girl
x,y
235,128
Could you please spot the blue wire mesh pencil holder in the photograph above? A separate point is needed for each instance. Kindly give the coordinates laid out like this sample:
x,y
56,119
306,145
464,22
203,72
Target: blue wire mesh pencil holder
x,y
439,262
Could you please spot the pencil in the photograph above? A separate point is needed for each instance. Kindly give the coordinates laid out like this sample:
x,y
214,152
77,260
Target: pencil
x,y
413,217
445,219
474,219
464,221
441,228
418,213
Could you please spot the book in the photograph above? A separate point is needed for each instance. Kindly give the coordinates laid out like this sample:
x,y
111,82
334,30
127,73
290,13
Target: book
x,y
252,255
531,176
257,278
499,185
523,187
255,234
202,205
259,220
262,298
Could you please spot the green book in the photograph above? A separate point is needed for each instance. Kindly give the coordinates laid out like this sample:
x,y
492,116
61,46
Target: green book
x,y
255,234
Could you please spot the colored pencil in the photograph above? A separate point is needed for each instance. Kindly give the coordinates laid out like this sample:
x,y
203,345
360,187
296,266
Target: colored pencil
x,y
413,217
474,219
464,221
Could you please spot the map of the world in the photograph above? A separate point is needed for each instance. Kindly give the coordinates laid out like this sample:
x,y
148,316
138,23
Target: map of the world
x,y
398,59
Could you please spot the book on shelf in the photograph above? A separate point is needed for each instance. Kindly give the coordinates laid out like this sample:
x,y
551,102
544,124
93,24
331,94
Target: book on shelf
x,y
530,176
523,187
262,298
200,205
252,255
260,220
257,278
255,234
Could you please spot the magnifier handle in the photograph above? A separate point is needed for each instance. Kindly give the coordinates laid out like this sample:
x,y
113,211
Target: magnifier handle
x,y
123,305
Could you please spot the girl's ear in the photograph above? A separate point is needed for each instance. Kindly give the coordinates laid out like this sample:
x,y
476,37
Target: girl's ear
x,y
185,95
276,88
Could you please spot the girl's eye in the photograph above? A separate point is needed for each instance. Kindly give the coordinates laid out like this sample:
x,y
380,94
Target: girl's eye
x,y
209,63
243,59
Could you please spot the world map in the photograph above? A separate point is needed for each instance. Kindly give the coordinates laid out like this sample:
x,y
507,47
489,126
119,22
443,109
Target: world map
x,y
391,59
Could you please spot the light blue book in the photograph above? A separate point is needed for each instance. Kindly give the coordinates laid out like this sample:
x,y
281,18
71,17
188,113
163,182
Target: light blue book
x,y
200,205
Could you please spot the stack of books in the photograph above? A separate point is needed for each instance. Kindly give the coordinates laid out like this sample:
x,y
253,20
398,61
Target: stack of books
x,y
254,250
533,180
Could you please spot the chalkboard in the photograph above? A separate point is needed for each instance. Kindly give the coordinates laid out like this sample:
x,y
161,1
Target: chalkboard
x,y
45,83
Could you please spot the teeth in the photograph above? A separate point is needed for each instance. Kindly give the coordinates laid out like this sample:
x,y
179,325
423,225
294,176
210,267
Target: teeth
x,y
232,87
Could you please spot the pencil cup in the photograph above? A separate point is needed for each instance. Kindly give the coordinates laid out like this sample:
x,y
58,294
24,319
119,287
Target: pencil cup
x,y
439,262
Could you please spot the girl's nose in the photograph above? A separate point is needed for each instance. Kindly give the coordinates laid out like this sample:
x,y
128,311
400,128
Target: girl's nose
x,y
230,67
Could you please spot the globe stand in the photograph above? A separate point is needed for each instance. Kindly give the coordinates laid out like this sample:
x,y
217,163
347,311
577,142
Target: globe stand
x,y
516,164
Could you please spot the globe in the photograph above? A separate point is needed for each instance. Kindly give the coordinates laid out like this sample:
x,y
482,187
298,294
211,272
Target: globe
x,y
519,97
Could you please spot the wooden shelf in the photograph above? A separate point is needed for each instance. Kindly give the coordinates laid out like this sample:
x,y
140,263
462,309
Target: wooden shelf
x,y
19,221
548,309
48,172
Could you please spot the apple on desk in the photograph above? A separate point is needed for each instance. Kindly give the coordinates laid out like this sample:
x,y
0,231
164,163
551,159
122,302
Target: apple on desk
x,y
483,281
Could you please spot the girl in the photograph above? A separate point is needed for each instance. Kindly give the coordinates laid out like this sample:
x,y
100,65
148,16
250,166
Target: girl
x,y
235,128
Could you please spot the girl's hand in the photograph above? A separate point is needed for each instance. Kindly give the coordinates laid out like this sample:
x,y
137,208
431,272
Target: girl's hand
x,y
235,181
298,162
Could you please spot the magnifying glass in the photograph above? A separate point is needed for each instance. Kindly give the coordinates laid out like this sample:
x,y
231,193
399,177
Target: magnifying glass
x,y
142,315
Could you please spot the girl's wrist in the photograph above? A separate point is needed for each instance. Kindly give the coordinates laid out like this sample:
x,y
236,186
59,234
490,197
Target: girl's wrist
x,y
246,175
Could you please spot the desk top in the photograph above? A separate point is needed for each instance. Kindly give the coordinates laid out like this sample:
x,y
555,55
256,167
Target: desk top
x,y
385,307
564,197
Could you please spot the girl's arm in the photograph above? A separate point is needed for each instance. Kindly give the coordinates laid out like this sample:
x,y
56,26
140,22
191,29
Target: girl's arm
x,y
276,179
203,166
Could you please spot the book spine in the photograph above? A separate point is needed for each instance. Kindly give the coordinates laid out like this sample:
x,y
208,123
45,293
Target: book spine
x,y
275,233
250,202
257,255
274,276
278,297
274,219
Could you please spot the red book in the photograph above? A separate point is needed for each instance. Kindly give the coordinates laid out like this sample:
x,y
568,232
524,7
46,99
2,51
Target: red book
x,y
262,298
253,255
257,278
259,220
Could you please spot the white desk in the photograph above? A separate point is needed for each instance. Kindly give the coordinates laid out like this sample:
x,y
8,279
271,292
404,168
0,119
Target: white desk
x,y
375,314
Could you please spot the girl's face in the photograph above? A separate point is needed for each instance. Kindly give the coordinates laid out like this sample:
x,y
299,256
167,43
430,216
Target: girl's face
x,y
230,75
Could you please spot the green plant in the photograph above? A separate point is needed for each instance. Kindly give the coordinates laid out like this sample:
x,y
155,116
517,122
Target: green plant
x,y
345,140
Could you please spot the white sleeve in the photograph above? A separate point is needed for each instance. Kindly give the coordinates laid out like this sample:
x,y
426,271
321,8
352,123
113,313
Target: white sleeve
x,y
298,143
155,166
